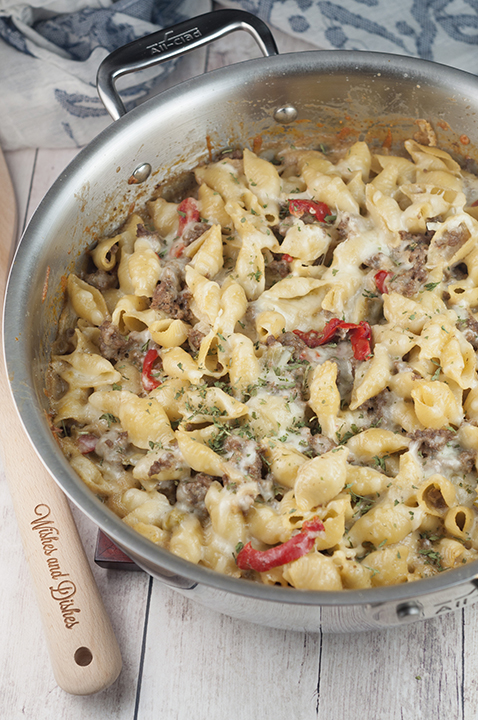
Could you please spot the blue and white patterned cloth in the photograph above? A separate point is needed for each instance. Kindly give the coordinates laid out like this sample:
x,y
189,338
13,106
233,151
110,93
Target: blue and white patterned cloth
x,y
444,31
50,50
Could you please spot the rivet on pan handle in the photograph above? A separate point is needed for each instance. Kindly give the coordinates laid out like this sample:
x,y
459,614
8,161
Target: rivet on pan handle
x,y
172,42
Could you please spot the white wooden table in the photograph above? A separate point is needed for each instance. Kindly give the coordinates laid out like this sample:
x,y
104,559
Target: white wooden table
x,y
182,661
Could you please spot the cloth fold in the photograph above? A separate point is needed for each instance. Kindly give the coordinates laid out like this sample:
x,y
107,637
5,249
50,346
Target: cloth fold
x,y
50,53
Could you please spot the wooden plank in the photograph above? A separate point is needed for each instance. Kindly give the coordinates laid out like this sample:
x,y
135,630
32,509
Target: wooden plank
x,y
20,165
470,663
205,665
407,673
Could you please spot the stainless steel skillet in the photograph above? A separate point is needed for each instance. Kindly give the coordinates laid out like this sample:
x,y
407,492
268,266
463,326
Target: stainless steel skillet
x,y
360,95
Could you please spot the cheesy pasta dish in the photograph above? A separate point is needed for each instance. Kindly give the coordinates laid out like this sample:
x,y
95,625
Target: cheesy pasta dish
x,y
271,369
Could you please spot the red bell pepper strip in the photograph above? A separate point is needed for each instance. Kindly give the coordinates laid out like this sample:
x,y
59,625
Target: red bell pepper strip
x,y
287,258
149,382
188,211
319,209
313,338
360,336
380,278
262,560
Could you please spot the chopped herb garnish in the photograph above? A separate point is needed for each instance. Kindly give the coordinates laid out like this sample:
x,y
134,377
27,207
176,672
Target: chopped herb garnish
x,y
110,418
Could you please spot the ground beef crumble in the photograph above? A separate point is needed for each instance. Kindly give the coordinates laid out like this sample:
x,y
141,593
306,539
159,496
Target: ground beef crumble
x,y
408,282
168,460
195,338
469,329
373,408
276,270
245,454
112,342
170,298
192,492
290,340
102,280
194,232
432,441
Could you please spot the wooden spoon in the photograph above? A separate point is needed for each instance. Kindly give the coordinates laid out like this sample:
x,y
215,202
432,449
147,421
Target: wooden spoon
x,y
84,652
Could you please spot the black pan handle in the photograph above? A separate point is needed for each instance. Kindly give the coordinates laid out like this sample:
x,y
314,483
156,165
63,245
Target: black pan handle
x,y
172,42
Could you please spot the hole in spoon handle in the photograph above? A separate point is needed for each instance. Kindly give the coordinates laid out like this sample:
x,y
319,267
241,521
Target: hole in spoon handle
x,y
83,656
